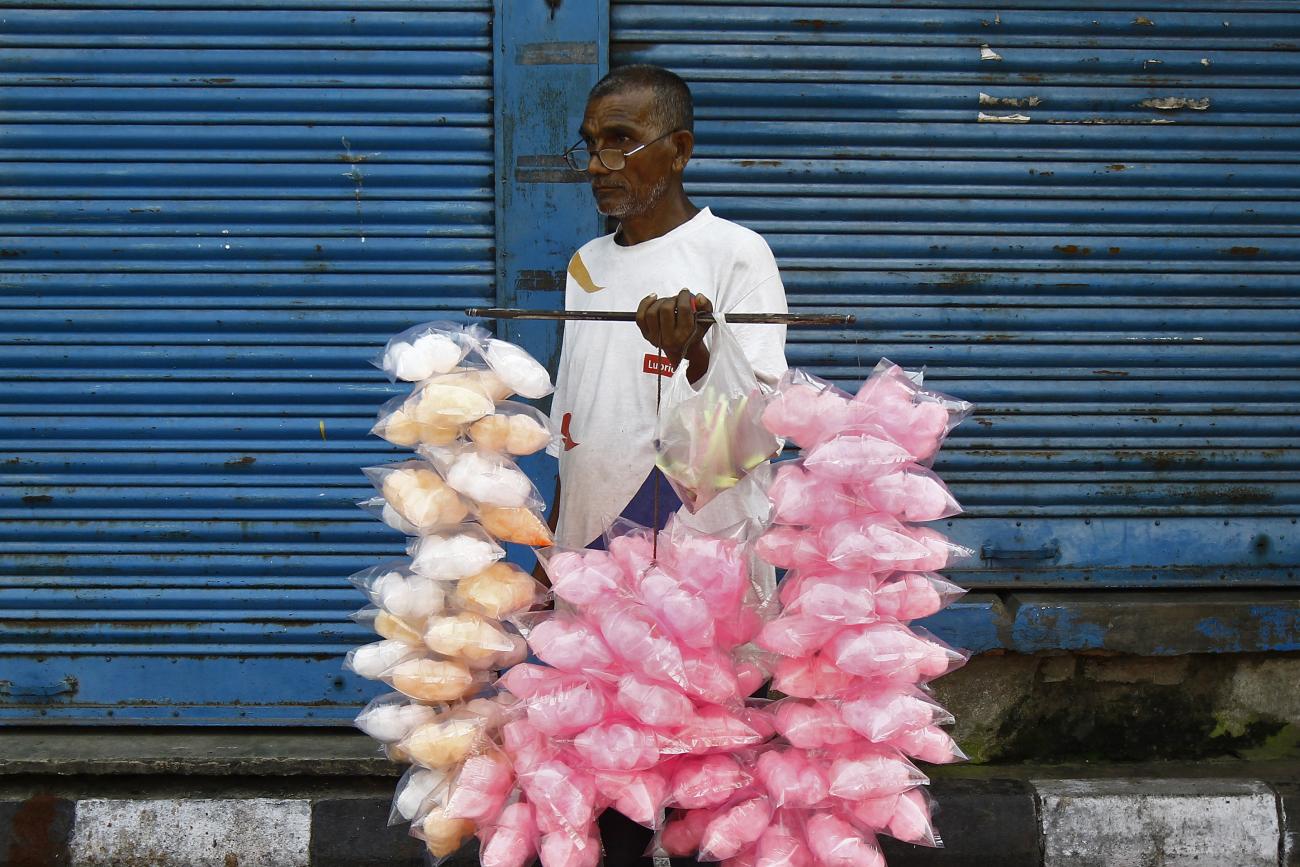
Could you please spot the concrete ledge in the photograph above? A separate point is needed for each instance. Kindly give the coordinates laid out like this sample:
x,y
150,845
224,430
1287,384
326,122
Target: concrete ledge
x,y
1133,823
208,752
985,822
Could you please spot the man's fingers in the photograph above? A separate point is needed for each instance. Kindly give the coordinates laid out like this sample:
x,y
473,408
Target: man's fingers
x,y
644,316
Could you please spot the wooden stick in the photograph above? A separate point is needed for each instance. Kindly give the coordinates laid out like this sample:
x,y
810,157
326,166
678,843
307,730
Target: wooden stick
x,y
795,319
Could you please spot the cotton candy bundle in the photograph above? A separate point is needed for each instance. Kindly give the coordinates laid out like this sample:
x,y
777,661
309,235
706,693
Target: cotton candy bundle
x,y
390,718
486,478
453,554
843,521
516,524
418,494
499,591
519,370
515,429
446,611
427,350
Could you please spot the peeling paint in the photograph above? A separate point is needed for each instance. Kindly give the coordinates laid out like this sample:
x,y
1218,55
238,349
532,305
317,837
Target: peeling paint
x,y
1003,118
1114,121
1143,21
987,53
1173,103
1010,101
1205,61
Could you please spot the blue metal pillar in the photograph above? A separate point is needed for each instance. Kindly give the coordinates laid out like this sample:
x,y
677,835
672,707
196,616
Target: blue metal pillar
x,y
547,54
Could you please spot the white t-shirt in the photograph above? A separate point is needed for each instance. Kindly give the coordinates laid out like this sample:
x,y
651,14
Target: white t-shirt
x,y
605,394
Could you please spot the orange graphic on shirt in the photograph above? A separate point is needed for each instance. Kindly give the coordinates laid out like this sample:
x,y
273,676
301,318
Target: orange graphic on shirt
x,y
578,271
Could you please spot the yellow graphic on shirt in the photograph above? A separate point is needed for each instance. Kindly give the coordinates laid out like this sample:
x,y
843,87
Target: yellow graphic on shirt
x,y
578,271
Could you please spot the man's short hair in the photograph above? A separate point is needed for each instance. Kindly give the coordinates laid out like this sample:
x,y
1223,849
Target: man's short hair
x,y
673,106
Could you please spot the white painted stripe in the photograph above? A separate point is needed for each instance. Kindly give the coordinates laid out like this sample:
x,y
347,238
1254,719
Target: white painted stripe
x,y
1172,823
235,832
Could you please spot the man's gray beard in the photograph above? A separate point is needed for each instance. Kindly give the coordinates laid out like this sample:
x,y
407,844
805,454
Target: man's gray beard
x,y
635,207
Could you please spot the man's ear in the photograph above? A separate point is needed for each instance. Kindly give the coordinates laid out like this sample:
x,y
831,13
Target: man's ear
x,y
684,141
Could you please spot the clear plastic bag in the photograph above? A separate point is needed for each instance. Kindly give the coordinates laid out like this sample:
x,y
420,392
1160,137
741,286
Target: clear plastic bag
x,y
389,626
792,778
524,375
486,478
886,712
916,418
734,828
567,705
800,498
567,642
434,680
812,725
448,740
449,555
872,543
500,591
372,660
890,651
701,782
617,745
428,349
512,840
836,843
392,716
584,577
806,410
456,399
476,641
638,795
913,494
867,771
913,595
396,423
418,792
855,456
480,790
907,816
843,598
443,835
519,524
418,494
708,438
401,592
565,801
514,429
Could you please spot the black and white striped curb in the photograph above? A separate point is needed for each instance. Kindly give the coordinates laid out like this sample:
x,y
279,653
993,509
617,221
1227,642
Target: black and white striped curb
x,y
986,823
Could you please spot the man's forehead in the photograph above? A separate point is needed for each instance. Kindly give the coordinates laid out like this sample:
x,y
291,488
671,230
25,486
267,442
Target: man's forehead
x,y
632,108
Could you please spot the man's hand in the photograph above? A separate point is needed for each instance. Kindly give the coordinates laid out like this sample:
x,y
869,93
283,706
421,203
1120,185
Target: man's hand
x,y
671,324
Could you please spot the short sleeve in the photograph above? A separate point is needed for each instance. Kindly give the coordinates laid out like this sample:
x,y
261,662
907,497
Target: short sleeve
x,y
764,345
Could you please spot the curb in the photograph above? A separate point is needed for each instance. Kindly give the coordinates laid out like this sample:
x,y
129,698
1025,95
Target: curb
x,y
1008,823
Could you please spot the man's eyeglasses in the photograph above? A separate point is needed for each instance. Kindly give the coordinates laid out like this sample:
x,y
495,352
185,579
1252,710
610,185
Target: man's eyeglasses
x,y
579,158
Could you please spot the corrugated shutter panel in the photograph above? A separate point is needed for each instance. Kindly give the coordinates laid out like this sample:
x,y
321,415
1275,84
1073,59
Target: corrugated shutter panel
x,y
1082,220
214,218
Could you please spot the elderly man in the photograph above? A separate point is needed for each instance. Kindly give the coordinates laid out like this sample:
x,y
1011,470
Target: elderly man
x,y
667,260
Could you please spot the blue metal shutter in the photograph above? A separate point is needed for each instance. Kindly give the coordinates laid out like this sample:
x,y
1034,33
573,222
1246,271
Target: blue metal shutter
x,y
1082,220
212,220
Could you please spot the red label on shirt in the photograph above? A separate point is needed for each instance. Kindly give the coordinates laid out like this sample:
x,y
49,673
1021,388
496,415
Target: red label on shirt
x,y
564,432
657,364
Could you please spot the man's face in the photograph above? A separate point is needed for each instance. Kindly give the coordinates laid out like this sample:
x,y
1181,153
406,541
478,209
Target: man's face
x,y
623,120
